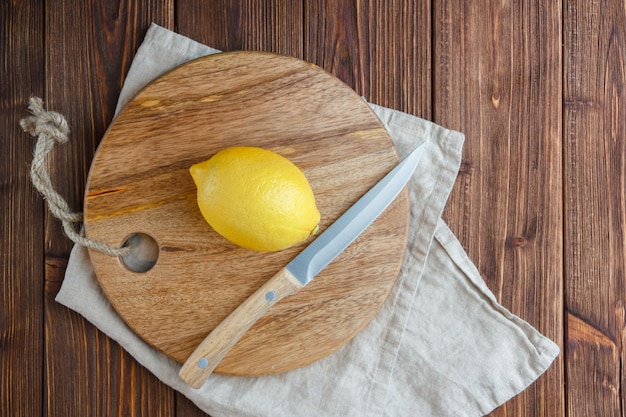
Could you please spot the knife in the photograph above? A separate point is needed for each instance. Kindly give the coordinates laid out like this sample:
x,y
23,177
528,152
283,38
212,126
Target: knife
x,y
299,272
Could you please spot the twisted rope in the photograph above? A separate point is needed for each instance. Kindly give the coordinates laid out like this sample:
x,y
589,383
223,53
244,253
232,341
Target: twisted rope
x,y
49,128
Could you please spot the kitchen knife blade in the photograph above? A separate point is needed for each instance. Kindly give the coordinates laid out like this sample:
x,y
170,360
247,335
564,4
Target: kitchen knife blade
x,y
299,272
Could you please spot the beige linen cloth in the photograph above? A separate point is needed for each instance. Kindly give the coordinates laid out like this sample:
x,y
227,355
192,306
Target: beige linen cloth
x,y
441,345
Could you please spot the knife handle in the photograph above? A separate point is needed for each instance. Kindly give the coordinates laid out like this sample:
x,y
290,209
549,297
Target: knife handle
x,y
201,363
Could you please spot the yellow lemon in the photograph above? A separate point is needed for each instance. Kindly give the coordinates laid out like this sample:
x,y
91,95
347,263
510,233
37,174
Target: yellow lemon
x,y
256,198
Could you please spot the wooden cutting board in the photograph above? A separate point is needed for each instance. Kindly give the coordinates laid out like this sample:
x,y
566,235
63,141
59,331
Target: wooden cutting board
x,y
139,183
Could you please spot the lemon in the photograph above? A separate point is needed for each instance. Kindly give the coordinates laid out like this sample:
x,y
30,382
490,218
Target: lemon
x,y
256,198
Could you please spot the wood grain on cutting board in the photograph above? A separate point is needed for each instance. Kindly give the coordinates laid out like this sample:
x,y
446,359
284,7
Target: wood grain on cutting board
x,y
139,183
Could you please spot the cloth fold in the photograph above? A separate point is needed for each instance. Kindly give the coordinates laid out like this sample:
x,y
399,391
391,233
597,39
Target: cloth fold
x,y
441,345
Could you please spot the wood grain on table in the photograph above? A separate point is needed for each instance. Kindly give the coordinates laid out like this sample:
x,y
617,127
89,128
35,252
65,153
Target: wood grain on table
x,y
536,86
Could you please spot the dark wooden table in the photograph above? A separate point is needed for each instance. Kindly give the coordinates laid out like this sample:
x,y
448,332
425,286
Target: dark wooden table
x,y
536,86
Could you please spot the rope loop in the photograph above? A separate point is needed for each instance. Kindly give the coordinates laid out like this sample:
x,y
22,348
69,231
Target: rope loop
x,y
42,122
50,127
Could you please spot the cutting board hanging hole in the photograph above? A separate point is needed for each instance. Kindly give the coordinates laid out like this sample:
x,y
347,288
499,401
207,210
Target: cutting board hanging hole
x,y
144,253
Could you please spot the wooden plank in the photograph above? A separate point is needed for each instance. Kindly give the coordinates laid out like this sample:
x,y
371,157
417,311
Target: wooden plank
x,y
497,78
21,229
332,41
230,25
90,46
595,149
381,49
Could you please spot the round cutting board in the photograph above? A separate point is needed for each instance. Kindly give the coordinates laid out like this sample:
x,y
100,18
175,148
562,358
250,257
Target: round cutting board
x,y
139,183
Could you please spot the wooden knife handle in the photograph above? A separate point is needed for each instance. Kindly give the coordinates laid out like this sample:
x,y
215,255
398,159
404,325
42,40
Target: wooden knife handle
x,y
218,343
